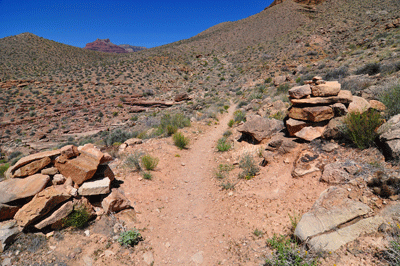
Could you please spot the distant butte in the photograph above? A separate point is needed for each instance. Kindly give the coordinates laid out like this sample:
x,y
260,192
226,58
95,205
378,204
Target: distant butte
x,y
104,45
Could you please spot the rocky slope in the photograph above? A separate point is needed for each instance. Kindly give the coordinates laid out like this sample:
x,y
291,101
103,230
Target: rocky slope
x,y
105,45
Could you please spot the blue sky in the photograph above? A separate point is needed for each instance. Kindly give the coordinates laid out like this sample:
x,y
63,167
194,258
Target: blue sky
x,y
146,23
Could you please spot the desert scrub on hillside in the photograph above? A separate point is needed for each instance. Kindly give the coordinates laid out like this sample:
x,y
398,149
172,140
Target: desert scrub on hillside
x,y
223,145
149,162
180,140
370,69
130,238
287,252
118,135
170,124
390,97
361,128
250,169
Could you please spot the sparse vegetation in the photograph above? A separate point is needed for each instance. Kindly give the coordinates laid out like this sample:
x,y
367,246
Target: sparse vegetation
x,y
149,162
180,140
133,161
390,97
130,238
287,252
361,127
223,145
147,175
78,218
250,169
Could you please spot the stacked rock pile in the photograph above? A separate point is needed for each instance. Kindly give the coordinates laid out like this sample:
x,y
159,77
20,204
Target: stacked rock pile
x,y
314,105
42,189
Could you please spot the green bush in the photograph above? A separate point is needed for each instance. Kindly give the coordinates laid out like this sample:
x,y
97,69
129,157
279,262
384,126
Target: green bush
x,y
171,130
223,145
231,123
130,238
147,175
361,128
227,133
250,169
370,69
117,135
149,162
78,218
391,99
287,252
3,169
180,140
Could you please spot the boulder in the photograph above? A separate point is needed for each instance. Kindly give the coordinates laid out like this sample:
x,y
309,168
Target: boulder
x,y
58,179
329,88
69,151
310,133
8,231
44,202
20,188
293,126
127,218
332,210
55,219
300,91
32,167
260,128
377,105
339,109
97,186
334,173
7,212
133,141
334,128
104,171
49,171
181,97
313,114
343,97
282,145
92,151
279,80
33,157
115,202
359,105
390,138
79,169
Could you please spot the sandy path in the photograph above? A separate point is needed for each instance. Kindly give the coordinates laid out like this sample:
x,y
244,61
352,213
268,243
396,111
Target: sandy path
x,y
189,223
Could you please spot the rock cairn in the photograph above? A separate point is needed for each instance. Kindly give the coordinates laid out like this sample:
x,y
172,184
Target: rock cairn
x,y
42,189
314,105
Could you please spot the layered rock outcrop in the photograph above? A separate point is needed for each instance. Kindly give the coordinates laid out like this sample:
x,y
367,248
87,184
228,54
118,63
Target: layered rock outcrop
x,y
105,45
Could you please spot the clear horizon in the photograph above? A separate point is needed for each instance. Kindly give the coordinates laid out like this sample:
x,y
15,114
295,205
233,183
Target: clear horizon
x,y
149,24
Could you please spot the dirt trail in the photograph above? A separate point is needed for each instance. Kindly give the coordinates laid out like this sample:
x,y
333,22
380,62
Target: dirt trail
x,y
189,222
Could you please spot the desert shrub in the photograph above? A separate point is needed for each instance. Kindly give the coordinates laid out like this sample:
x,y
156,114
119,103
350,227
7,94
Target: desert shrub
x,y
130,238
180,140
149,162
250,169
117,135
147,175
370,69
14,154
228,186
283,88
337,73
3,169
390,68
361,127
171,130
78,218
355,85
223,145
287,252
390,97
231,123
170,124
133,161
227,133
239,116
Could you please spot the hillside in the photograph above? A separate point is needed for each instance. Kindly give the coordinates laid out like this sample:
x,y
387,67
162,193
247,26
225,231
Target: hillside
x,y
275,137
